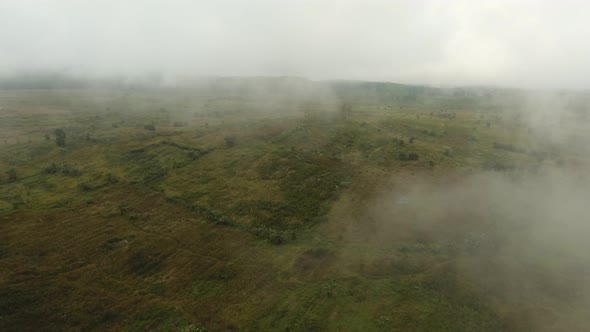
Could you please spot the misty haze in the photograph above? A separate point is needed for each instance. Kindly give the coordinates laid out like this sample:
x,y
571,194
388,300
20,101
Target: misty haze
x,y
294,166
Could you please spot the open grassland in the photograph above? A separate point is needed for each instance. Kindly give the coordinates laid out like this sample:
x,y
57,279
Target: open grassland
x,y
167,211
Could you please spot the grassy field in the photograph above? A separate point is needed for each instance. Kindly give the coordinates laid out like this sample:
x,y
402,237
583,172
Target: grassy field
x,y
168,210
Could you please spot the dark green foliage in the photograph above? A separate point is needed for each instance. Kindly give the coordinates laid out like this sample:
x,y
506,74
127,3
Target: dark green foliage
x,y
85,187
51,169
60,137
70,171
154,175
180,124
509,147
112,178
47,137
273,236
496,166
149,127
212,216
224,274
11,174
64,169
145,262
308,181
407,156
193,153
230,141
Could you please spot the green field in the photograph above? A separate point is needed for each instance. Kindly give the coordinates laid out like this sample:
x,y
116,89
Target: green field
x,y
279,205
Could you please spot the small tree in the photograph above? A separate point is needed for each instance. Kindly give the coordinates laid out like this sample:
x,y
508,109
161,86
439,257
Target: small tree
x,y
230,141
11,175
60,137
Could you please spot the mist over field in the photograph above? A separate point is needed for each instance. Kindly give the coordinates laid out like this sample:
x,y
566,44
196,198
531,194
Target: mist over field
x,y
294,166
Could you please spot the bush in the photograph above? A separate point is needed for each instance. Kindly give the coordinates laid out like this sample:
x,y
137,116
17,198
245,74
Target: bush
x,y
509,147
274,236
11,175
405,156
112,178
230,141
149,127
60,137
85,187
70,171
64,169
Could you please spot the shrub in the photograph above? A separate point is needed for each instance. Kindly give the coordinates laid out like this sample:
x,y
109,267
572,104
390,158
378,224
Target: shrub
x,y
60,137
405,156
230,141
509,147
11,175
51,169
273,236
149,127
64,169
85,187
70,171
112,178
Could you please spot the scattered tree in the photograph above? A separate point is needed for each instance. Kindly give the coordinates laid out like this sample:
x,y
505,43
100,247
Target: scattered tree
x,y
230,141
60,137
11,175
405,156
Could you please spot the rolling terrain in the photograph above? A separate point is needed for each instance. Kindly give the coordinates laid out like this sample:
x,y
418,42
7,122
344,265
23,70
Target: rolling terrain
x,y
290,205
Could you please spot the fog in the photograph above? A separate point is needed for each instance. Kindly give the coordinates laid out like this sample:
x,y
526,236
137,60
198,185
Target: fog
x,y
536,44
516,231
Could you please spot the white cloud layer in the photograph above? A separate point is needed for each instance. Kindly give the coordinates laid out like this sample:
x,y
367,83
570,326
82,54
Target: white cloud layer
x,y
539,44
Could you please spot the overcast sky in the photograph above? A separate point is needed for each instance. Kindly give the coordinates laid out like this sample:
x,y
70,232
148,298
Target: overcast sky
x,y
461,42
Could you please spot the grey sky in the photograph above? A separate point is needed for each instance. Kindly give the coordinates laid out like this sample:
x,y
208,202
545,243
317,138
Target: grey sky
x,y
514,43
